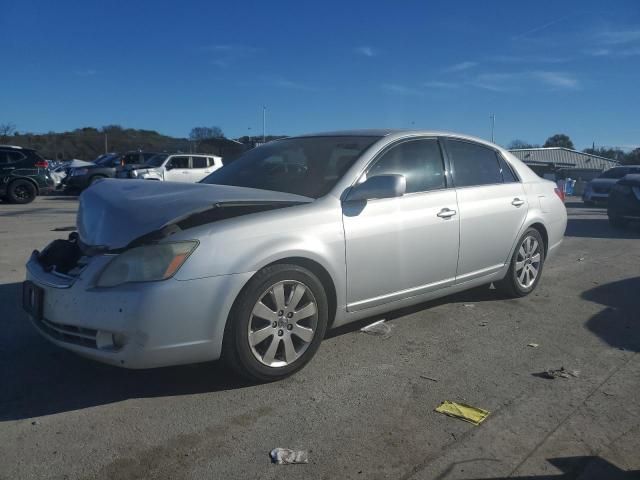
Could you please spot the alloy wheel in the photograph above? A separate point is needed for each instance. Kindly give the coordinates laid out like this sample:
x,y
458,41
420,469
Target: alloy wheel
x,y
283,323
528,262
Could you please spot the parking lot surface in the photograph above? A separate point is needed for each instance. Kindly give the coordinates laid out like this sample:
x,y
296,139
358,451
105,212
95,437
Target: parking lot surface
x,y
364,407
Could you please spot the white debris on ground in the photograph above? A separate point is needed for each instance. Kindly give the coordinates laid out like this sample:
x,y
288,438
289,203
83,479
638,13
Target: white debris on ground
x,y
284,456
380,328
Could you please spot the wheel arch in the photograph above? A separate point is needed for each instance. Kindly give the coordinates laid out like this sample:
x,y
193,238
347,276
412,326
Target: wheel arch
x,y
543,233
323,275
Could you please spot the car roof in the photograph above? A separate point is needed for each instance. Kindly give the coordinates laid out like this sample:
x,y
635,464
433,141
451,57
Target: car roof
x,y
394,134
16,147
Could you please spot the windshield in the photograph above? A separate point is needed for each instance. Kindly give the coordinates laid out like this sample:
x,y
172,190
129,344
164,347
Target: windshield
x,y
308,166
105,159
156,160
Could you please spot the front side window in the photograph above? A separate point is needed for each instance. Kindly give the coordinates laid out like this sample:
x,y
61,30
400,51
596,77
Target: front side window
x,y
179,162
473,164
420,161
156,160
308,166
198,162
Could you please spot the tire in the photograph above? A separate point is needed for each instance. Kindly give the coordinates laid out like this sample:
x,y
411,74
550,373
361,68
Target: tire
x,y
95,178
21,192
617,222
259,359
524,258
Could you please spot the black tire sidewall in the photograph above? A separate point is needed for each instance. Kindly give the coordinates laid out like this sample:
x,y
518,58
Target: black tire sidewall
x,y
517,289
13,185
236,348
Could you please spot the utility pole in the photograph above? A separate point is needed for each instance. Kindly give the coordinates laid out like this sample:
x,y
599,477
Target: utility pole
x,y
264,124
493,124
106,144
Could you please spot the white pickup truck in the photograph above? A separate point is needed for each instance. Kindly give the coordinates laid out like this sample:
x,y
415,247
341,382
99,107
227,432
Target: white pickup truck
x,y
179,167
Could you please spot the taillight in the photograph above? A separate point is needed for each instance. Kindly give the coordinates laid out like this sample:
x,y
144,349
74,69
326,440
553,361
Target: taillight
x,y
560,194
41,164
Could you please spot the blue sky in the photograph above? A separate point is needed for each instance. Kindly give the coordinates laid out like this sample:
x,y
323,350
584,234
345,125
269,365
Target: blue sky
x,y
542,67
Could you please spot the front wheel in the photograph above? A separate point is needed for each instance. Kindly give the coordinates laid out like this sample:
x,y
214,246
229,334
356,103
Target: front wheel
x,y
526,265
276,324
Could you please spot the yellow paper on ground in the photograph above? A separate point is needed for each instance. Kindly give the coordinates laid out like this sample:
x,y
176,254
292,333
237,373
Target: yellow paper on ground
x,y
464,412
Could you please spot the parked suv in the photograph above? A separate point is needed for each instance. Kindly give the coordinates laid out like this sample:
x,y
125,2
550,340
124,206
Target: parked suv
x,y
598,189
24,174
104,166
174,168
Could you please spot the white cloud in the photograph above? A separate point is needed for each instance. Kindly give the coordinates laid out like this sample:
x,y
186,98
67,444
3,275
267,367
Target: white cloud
x,y
366,51
89,72
460,67
557,79
618,37
437,84
518,81
401,89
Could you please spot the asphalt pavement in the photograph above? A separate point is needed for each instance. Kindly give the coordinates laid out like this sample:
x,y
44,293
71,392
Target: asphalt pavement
x,y
363,408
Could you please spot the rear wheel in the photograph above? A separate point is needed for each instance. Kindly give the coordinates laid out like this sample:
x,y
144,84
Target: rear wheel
x,y
526,265
276,324
21,191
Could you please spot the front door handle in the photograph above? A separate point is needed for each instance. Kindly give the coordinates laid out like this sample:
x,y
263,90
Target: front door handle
x,y
446,213
517,202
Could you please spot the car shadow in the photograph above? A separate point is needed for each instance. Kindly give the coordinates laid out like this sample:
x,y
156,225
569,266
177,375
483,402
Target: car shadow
x,y
619,323
475,295
583,467
599,227
39,378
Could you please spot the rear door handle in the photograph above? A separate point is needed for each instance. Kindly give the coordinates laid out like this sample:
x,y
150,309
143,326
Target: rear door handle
x,y
446,213
517,202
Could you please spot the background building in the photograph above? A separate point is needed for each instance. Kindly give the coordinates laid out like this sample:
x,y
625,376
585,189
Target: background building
x,y
559,162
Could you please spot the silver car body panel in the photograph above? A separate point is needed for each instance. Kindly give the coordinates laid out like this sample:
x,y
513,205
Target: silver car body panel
x,y
380,256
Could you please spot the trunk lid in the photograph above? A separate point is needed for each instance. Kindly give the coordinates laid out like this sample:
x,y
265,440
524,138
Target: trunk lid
x,y
115,213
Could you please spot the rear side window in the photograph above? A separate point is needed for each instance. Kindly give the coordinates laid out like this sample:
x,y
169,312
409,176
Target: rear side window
x,y
473,164
420,161
507,173
198,162
10,156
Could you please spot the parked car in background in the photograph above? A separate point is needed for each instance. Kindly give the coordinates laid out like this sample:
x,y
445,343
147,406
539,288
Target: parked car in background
x,y
104,166
24,174
292,238
174,168
597,190
624,201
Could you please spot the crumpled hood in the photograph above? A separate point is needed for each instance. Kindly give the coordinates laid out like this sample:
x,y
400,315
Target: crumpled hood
x,y
113,213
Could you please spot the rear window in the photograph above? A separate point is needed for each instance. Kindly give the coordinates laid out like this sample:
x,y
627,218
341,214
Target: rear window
x,y
473,164
11,156
617,172
198,162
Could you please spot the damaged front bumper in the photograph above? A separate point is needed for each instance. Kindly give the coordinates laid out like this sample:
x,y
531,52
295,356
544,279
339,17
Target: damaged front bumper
x,y
134,325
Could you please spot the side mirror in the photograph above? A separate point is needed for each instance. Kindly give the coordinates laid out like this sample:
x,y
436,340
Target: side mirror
x,y
379,186
168,166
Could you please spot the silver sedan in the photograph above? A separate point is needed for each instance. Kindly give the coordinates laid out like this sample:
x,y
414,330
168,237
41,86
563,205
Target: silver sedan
x,y
255,263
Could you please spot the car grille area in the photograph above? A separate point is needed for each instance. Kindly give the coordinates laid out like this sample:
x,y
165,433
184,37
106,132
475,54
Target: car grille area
x,y
84,337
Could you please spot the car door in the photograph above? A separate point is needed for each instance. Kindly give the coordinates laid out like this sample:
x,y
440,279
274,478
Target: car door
x,y
199,168
492,205
178,169
404,246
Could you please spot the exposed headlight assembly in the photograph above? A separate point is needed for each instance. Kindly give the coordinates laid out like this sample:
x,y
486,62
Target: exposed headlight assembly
x,y
148,263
